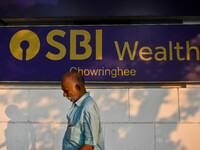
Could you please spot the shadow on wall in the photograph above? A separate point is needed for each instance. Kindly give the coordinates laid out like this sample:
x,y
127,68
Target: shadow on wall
x,y
183,135
28,119
148,106
18,135
36,119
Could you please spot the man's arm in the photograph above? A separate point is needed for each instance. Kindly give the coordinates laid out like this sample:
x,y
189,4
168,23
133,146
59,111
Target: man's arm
x,y
86,147
91,129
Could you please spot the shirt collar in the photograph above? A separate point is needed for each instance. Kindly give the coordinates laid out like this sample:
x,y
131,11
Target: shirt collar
x,y
80,100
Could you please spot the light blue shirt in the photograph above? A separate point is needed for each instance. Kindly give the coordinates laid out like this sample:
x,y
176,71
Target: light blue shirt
x,y
84,125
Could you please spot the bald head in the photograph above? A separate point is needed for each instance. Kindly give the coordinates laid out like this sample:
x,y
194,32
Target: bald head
x,y
73,85
75,77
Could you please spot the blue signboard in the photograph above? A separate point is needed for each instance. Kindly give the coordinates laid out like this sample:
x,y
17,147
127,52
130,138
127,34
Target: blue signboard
x,y
92,8
133,53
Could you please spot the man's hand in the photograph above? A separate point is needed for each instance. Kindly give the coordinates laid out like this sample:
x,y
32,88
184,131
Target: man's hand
x,y
86,147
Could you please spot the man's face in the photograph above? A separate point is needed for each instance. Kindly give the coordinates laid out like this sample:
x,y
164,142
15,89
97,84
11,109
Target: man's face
x,y
69,89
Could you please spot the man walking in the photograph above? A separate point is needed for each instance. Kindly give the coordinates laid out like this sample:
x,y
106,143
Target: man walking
x,y
84,131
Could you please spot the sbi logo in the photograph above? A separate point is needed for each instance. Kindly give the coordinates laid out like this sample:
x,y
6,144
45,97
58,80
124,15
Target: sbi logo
x,y
18,38
34,45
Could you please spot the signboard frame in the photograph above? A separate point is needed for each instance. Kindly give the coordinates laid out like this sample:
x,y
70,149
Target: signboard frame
x,y
96,30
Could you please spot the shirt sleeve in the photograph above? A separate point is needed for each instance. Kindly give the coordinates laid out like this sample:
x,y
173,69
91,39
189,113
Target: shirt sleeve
x,y
91,126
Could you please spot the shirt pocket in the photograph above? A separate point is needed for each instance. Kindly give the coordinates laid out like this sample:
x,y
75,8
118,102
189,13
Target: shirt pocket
x,y
74,134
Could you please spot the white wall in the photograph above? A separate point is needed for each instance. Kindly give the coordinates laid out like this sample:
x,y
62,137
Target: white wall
x,y
133,119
